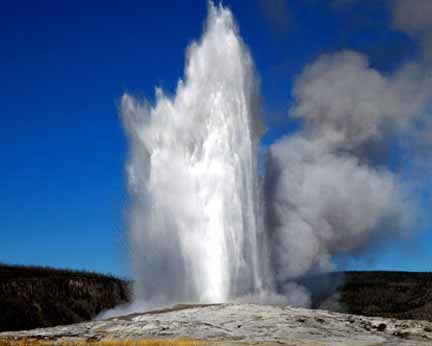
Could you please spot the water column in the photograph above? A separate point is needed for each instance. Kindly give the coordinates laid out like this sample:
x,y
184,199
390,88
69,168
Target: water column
x,y
195,217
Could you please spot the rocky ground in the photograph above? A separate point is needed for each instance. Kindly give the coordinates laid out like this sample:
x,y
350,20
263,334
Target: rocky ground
x,y
233,324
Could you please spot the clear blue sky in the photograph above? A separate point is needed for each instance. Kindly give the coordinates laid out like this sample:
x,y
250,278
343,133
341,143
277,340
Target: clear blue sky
x,y
63,67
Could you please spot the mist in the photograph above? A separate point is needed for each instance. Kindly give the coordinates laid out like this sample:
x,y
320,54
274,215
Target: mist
x,y
332,188
195,222
207,226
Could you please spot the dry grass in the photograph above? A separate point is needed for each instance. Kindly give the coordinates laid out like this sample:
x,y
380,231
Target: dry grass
x,y
104,342
155,342
163,342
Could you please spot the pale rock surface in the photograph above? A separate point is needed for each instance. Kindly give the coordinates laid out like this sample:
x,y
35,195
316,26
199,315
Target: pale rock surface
x,y
244,323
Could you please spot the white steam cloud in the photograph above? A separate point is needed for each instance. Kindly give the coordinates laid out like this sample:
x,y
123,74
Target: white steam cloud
x,y
202,226
415,18
195,226
330,187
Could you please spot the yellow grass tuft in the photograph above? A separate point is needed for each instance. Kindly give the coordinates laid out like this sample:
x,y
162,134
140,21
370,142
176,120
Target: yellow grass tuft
x,y
104,342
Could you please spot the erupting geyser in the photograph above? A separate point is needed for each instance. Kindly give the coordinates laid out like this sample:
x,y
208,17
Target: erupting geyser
x,y
196,221
206,227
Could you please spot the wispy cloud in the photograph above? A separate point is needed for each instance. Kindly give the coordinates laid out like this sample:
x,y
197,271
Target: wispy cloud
x,y
415,18
278,14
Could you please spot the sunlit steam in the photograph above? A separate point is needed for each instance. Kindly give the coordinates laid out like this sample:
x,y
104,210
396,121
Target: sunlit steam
x,y
206,227
196,224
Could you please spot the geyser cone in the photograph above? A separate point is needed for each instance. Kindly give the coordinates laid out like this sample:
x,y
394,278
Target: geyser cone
x,y
195,220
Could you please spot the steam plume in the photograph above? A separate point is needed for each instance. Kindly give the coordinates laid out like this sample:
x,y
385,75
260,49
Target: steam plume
x,y
414,18
331,188
196,226
202,226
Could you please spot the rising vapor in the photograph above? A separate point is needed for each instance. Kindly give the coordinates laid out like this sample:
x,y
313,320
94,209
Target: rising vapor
x,y
195,223
330,188
204,226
